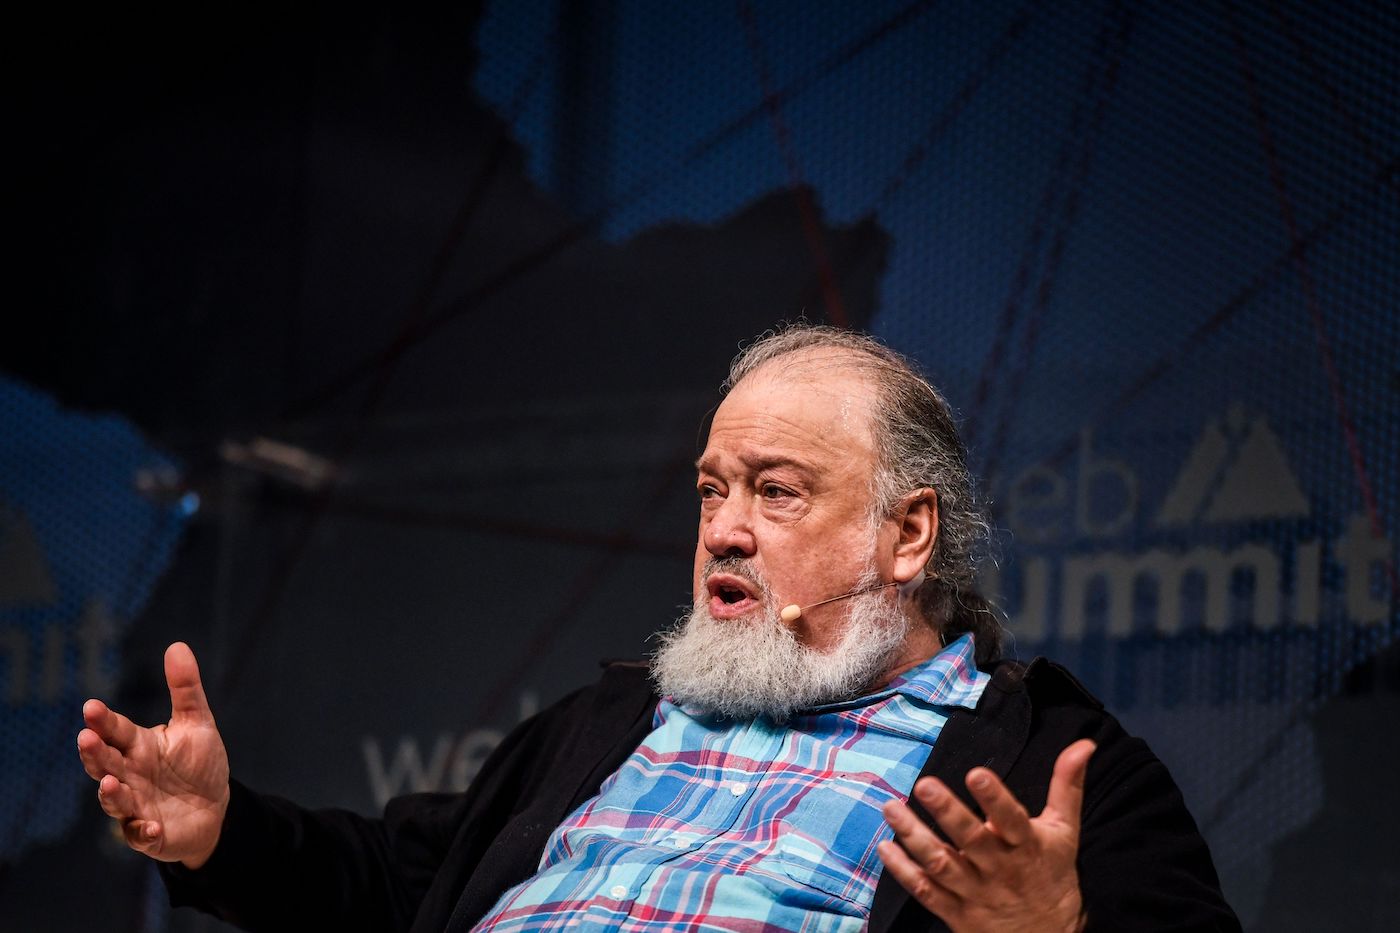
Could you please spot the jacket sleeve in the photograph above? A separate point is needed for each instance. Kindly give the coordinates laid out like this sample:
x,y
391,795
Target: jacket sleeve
x,y
279,866
1143,864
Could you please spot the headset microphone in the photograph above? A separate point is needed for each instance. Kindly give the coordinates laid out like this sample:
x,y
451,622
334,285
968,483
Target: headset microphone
x,y
791,614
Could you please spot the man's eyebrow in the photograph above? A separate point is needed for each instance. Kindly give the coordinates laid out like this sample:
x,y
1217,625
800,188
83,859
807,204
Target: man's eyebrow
x,y
770,461
759,461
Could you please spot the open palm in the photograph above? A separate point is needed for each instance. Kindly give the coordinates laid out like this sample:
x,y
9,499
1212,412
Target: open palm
x,y
167,785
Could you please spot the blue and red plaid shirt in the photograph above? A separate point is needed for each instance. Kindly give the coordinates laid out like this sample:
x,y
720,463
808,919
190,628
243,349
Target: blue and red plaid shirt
x,y
725,825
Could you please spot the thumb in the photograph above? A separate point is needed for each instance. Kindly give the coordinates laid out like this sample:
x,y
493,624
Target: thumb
x,y
1066,795
187,700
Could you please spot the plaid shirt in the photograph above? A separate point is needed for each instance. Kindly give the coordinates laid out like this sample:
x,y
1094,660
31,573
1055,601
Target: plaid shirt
x,y
726,825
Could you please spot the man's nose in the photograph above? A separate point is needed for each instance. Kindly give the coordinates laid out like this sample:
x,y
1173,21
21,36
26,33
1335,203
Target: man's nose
x,y
730,532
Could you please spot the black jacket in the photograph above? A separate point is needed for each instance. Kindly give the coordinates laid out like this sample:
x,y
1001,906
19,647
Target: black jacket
x,y
439,861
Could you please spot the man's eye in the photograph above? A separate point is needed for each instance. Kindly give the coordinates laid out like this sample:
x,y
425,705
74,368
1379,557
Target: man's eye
x,y
772,491
708,492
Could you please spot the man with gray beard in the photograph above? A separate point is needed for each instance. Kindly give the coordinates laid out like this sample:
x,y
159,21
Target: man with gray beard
x,y
827,741
760,668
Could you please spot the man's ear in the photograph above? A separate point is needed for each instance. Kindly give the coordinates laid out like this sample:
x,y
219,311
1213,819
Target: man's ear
x,y
918,531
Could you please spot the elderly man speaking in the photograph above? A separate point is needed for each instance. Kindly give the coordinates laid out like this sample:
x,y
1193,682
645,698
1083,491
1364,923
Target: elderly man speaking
x,y
826,741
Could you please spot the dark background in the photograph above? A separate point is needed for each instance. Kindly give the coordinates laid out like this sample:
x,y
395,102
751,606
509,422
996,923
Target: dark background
x,y
479,274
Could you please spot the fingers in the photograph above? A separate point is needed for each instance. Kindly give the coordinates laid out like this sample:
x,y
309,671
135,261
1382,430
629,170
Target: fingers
x,y
111,727
952,815
930,854
913,835
922,885
99,759
116,798
1005,815
1008,858
1066,794
143,835
118,802
187,700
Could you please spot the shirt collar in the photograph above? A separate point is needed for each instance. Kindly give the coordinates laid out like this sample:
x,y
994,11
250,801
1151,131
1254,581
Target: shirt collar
x,y
949,678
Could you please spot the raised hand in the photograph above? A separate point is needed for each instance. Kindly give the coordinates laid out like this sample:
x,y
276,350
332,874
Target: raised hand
x,y
167,785
1008,872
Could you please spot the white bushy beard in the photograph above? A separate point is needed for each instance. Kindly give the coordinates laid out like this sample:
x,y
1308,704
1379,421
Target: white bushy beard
x,y
746,668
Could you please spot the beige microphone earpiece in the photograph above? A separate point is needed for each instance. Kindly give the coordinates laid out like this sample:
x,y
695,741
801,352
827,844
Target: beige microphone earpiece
x,y
791,614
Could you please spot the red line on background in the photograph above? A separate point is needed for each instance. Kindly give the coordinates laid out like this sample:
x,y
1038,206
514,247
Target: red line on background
x,y
1305,278
802,193
1329,88
1100,84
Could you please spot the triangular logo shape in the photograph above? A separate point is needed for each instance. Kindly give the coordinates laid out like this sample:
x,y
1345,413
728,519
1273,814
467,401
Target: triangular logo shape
x,y
1198,474
1259,484
1236,471
24,572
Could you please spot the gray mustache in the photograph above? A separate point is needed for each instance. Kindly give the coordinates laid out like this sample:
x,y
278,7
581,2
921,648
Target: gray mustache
x,y
735,566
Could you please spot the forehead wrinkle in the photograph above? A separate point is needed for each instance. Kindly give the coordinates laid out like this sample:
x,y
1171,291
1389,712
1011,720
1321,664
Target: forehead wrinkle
x,y
756,459
838,375
774,449
773,430
811,413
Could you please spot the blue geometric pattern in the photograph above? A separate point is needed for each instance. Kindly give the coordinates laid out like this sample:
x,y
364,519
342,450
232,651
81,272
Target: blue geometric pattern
x,y
87,526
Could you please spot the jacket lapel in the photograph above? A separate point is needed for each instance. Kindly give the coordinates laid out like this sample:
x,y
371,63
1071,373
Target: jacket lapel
x,y
614,724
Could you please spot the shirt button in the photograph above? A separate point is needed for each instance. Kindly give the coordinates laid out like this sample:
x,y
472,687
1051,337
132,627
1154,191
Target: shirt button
x,y
678,842
618,891
738,788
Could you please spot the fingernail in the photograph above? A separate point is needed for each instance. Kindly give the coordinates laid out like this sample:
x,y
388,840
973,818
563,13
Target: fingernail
x,y
978,780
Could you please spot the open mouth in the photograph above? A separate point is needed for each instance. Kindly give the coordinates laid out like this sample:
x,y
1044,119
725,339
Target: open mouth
x,y
730,596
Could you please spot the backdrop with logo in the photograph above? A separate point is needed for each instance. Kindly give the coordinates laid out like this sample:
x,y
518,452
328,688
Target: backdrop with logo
x,y
366,351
